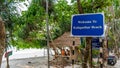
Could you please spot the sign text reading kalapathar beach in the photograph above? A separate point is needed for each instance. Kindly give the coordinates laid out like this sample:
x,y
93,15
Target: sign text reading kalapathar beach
x,y
88,25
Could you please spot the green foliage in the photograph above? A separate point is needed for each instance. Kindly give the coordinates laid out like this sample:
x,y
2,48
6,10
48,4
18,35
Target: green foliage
x,y
62,12
32,23
1,1
95,52
29,30
24,44
95,6
26,29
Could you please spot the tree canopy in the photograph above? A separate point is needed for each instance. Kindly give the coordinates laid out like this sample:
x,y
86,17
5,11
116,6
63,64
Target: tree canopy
x,y
29,29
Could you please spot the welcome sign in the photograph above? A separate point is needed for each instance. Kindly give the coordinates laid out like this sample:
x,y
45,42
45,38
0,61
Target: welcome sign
x,y
88,25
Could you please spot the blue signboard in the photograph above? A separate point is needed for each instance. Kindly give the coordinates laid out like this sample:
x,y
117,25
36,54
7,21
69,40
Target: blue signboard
x,y
95,43
88,25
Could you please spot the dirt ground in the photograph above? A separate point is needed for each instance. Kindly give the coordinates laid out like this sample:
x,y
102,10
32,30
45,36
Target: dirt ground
x,y
40,62
37,62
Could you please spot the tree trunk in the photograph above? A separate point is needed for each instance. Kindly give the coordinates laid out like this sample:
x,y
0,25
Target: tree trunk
x,y
2,39
90,51
87,52
80,10
86,56
1,58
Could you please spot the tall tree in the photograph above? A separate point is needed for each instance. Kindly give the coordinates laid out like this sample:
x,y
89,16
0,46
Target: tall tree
x,y
2,39
89,8
5,23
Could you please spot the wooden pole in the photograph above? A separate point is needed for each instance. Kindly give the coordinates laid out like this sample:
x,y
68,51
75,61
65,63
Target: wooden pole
x,y
7,58
73,52
47,25
101,53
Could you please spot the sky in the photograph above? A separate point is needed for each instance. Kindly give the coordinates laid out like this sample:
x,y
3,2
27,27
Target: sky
x,y
21,6
69,1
